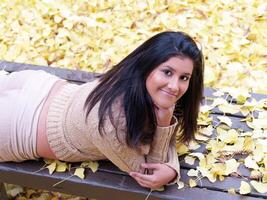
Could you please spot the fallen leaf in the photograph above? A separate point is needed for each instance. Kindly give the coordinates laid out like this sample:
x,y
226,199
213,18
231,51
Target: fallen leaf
x,y
52,167
244,188
259,186
79,172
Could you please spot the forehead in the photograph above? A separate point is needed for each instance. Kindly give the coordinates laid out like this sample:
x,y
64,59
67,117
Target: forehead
x,y
178,63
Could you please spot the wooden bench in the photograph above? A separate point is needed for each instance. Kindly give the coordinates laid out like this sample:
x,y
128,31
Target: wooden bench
x,y
109,182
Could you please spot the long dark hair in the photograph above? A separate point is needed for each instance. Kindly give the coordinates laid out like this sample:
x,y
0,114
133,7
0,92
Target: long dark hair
x,y
127,80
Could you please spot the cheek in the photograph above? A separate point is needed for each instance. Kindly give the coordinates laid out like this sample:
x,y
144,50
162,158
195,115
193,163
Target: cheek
x,y
153,81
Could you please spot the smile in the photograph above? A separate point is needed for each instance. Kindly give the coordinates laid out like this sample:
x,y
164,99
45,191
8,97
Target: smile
x,y
170,94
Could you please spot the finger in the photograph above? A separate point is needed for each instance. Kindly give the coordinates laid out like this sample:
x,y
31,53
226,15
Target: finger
x,y
147,184
142,182
150,165
143,177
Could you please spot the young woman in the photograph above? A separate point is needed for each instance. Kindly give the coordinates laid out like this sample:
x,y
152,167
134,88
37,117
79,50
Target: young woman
x,y
129,115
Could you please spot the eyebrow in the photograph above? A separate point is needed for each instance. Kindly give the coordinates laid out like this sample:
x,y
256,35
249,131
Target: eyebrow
x,y
168,66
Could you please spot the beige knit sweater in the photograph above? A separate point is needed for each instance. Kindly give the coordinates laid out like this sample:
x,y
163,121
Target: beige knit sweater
x,y
71,139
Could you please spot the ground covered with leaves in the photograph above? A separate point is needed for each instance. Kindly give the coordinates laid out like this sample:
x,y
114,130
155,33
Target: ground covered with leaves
x,y
94,35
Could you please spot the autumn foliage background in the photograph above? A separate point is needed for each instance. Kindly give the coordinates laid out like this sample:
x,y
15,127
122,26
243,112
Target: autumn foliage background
x,y
94,35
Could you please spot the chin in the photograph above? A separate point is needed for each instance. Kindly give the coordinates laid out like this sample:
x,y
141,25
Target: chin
x,y
165,105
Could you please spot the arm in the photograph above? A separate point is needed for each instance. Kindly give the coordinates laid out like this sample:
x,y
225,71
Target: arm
x,y
164,144
163,152
131,159
162,160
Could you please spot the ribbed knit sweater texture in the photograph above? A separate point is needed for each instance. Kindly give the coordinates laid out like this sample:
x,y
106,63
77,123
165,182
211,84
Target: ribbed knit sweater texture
x,y
71,139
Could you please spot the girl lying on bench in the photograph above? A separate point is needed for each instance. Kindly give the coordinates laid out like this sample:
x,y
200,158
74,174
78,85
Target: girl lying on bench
x,y
130,115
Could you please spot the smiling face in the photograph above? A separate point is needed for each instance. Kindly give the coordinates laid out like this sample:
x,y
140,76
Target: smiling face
x,y
169,81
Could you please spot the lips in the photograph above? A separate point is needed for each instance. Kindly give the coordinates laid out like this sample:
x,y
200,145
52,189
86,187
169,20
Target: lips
x,y
170,93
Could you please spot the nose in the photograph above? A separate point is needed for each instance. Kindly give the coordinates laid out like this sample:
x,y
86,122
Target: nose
x,y
174,84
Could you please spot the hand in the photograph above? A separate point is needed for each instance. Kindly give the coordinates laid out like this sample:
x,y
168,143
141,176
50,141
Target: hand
x,y
164,115
162,174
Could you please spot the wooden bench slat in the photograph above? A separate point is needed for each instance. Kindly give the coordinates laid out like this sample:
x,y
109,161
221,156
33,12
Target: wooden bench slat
x,y
98,185
67,74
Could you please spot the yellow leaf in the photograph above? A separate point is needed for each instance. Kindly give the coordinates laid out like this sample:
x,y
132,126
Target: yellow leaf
x,y
192,172
231,191
219,101
201,137
205,108
265,162
259,186
181,149
48,161
93,165
218,169
244,188
251,163
52,167
238,146
258,152
238,93
204,119
79,172
189,160
192,183
215,146
158,189
249,144
3,49
228,137
218,93
57,19
231,166
241,99
226,120
193,145
180,185
207,130
198,155
61,166
221,177
229,108
264,178
15,191
259,123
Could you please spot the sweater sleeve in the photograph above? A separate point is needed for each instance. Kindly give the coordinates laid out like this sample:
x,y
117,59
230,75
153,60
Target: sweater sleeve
x,y
163,148
126,158
112,142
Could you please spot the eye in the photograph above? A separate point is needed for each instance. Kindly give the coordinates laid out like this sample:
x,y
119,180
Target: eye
x,y
167,72
184,78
